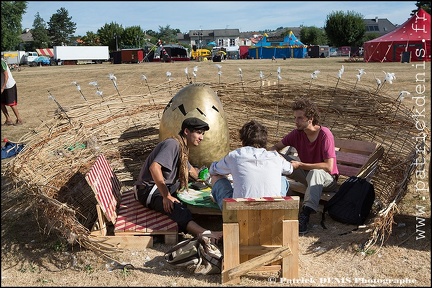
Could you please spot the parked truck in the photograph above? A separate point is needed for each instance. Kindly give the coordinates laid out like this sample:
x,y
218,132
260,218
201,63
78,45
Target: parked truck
x,y
19,57
71,55
31,57
127,56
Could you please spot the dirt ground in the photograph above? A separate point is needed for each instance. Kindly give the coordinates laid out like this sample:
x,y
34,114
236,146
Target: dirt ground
x,y
332,257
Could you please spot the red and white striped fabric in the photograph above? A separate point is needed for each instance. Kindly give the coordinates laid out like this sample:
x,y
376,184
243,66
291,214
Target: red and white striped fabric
x,y
45,52
106,186
133,216
262,199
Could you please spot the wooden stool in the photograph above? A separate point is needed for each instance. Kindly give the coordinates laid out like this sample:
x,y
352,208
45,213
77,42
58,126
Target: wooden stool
x,y
260,234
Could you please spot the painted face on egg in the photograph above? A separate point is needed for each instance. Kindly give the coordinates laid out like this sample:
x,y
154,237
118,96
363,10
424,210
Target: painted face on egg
x,y
198,100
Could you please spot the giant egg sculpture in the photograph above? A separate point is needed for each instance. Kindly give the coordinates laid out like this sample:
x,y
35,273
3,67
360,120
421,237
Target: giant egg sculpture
x,y
198,100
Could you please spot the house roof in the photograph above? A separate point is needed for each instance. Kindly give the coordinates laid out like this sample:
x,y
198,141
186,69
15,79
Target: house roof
x,y
378,26
26,36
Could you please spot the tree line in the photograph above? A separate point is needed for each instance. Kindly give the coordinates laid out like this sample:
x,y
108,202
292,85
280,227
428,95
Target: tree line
x,y
341,29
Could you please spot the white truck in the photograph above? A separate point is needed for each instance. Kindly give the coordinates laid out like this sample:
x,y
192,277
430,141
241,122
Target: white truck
x,y
70,55
19,57
31,57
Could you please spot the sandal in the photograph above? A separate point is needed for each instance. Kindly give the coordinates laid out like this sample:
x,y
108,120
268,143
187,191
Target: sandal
x,y
19,122
9,123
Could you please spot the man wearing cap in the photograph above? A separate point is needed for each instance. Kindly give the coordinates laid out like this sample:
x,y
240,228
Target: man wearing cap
x,y
167,170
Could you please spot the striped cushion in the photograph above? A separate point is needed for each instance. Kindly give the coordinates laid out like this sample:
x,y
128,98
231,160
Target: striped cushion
x,y
131,216
106,186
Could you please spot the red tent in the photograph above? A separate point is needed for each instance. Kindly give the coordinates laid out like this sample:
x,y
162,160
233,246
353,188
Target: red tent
x,y
412,39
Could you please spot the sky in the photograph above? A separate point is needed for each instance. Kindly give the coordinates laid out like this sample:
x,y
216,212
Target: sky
x,y
209,15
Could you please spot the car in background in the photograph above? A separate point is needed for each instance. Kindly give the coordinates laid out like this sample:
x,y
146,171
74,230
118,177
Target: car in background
x,y
41,61
344,50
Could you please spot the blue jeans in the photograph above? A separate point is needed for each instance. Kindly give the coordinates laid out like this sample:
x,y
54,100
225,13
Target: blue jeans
x,y
223,189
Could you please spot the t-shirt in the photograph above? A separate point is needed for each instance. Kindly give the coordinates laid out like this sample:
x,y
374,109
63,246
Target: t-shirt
x,y
313,152
166,153
256,172
2,74
11,81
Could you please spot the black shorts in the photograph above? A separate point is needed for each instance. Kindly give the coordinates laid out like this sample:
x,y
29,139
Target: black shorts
x,y
9,97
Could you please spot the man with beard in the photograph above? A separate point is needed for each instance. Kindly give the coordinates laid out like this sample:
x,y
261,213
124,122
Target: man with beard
x,y
316,160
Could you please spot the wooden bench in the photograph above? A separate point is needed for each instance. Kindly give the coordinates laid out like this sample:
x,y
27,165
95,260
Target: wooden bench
x,y
260,234
128,216
353,158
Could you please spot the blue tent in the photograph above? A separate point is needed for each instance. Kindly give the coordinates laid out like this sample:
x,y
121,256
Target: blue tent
x,y
290,47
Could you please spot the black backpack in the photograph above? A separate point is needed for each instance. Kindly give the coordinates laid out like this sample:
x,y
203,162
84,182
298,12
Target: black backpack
x,y
352,203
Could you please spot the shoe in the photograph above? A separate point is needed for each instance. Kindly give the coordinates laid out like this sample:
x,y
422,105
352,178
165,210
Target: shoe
x,y
9,123
19,122
304,219
303,223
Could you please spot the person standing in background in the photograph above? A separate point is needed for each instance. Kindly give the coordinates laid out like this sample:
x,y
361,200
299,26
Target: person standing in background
x,y
9,95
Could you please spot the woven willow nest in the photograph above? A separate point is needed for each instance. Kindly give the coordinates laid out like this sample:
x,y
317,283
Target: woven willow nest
x,y
58,154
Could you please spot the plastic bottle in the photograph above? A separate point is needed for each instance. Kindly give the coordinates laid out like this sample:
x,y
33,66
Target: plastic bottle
x,y
204,174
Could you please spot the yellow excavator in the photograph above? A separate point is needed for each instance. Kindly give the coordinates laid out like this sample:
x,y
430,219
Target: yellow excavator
x,y
200,54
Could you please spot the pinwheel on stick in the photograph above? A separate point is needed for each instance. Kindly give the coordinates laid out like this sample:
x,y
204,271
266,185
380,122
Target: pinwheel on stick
x,y
114,80
98,91
143,77
79,89
314,75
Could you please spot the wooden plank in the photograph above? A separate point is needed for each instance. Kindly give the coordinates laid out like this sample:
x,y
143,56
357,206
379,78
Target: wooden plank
x,y
353,159
290,264
265,232
288,202
228,216
356,146
231,251
203,210
368,169
129,242
291,214
252,233
266,268
256,262
348,170
242,219
171,239
257,249
102,221
276,228
152,233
